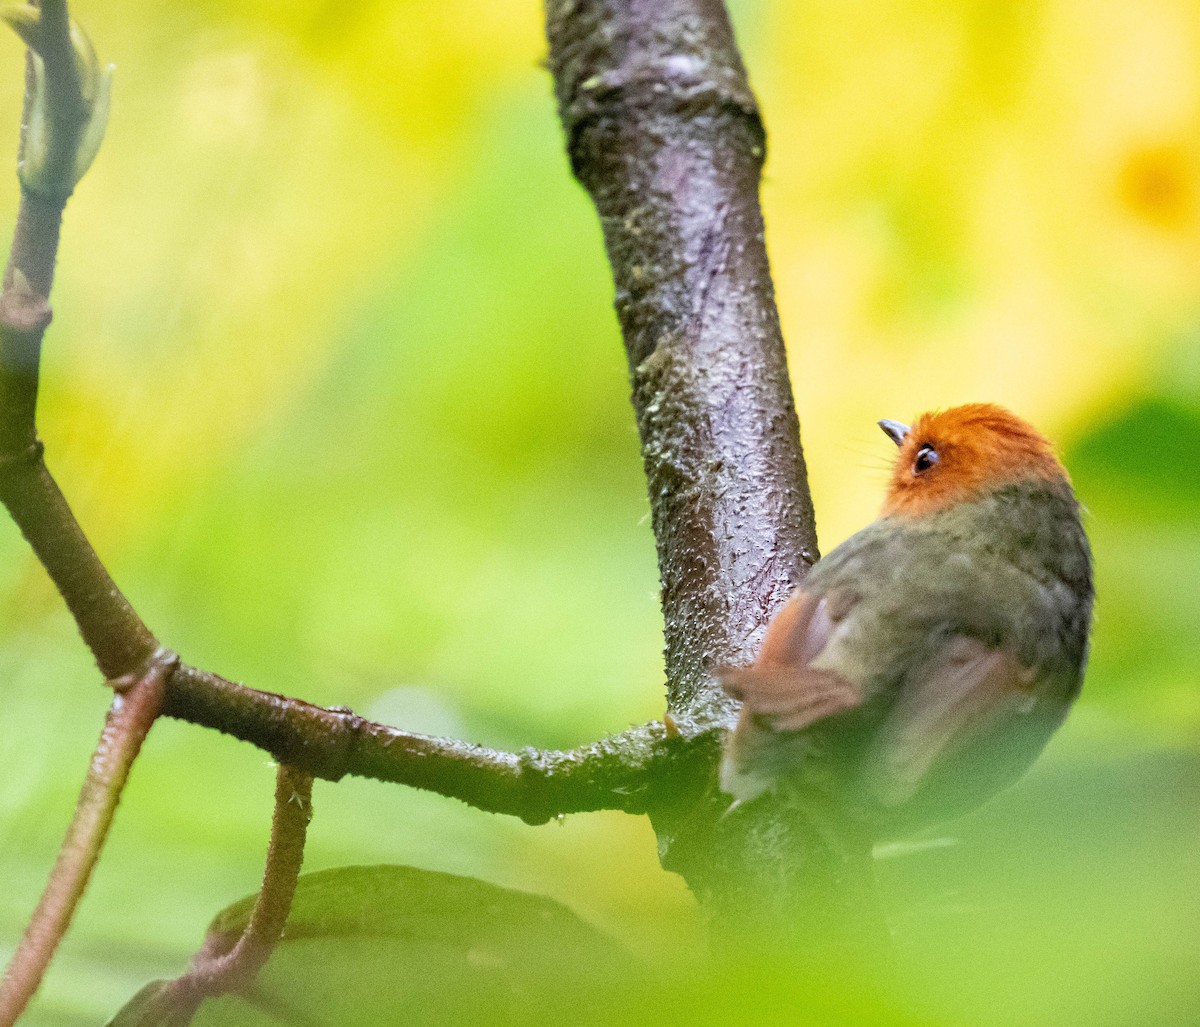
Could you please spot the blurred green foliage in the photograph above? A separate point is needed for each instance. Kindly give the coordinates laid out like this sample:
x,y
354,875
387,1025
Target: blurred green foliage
x,y
335,386
471,953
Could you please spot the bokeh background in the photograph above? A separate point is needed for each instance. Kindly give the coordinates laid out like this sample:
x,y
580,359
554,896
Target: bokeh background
x,y
335,386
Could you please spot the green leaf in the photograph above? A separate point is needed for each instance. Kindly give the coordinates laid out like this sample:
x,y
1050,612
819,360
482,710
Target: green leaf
x,y
391,944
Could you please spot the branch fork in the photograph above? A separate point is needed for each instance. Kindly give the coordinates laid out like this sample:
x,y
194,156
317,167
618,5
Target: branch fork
x,y
664,133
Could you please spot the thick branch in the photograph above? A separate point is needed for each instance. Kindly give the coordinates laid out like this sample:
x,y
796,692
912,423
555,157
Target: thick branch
x,y
663,131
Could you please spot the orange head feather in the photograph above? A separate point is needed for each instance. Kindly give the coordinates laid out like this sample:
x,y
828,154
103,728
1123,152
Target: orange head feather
x,y
953,455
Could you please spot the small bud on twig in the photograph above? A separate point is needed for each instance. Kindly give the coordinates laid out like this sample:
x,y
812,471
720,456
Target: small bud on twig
x,y
68,109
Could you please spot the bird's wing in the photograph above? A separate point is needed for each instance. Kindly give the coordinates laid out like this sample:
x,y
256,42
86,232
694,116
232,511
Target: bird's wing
x,y
971,719
781,691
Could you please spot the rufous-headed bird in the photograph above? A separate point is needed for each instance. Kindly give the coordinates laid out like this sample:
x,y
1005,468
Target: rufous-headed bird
x,y
924,663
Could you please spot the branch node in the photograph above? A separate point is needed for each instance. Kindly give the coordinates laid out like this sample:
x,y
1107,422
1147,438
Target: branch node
x,y
531,777
162,663
22,308
31,454
673,84
352,729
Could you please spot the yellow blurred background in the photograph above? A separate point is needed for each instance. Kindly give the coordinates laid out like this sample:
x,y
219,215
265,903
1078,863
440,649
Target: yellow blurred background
x,y
335,386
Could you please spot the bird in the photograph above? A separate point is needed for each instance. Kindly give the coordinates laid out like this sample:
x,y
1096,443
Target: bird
x,y
924,663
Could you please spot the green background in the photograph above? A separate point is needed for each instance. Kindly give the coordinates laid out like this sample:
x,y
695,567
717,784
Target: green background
x,y
335,386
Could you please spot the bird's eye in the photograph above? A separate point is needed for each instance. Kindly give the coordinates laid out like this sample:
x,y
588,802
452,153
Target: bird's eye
x,y
926,458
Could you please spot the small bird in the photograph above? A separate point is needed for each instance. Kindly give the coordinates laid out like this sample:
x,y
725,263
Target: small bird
x,y
926,660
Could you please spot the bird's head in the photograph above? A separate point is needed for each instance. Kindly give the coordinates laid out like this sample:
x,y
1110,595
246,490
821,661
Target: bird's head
x,y
951,456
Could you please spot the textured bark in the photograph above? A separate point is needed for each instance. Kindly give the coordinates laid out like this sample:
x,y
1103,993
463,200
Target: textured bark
x,y
664,133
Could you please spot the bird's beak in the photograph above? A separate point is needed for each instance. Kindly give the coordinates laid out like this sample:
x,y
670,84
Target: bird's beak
x,y
894,430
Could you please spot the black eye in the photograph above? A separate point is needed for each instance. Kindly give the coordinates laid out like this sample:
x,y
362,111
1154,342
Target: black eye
x,y
926,458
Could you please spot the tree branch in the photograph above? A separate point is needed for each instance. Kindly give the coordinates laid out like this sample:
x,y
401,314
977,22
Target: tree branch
x,y
116,635
634,771
625,773
619,773
219,969
55,115
663,131
665,134
134,709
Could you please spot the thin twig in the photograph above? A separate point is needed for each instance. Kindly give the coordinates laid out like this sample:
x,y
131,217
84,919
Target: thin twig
x,y
220,970
134,709
117,637
64,97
